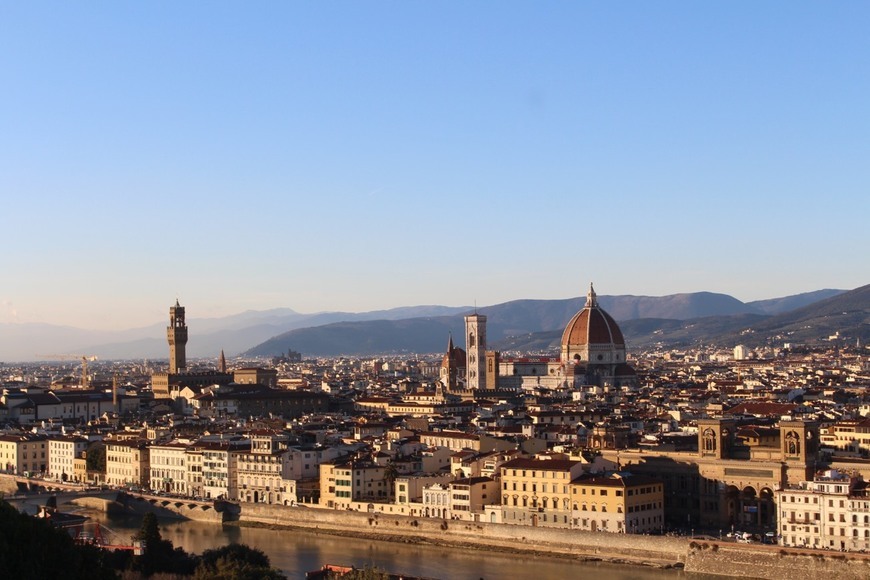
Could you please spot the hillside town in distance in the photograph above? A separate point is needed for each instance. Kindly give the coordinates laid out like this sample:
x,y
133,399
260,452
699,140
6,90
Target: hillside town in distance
x,y
768,445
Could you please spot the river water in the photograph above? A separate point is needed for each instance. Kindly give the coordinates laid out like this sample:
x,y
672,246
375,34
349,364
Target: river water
x,y
296,552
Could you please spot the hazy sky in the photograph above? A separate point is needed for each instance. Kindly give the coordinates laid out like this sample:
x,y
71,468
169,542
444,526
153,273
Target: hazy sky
x,y
365,155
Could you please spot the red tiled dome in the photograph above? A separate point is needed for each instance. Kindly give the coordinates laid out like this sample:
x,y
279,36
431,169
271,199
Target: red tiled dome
x,y
592,325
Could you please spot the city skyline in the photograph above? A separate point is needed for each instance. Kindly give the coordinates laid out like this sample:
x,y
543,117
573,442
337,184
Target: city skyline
x,y
363,156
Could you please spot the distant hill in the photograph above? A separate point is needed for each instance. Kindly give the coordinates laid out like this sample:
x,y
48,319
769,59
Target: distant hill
x,y
208,336
847,313
645,320
776,306
413,335
644,333
235,334
534,325
675,306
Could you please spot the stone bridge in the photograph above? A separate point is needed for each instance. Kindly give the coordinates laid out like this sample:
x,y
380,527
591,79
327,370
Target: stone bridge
x,y
178,507
23,491
17,484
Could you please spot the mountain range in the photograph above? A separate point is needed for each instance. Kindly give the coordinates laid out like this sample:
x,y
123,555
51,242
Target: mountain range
x,y
525,325
536,325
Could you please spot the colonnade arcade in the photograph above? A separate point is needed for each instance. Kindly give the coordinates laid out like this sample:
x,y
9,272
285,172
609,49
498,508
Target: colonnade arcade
x,y
750,508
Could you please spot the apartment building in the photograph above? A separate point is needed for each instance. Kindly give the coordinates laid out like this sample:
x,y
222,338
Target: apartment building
x,y
24,454
537,491
344,482
832,511
193,471
457,441
128,463
264,471
168,468
256,376
848,437
304,463
409,488
436,501
220,468
469,495
618,502
62,452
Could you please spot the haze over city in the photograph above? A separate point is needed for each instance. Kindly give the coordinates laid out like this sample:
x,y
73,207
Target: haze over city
x,y
358,156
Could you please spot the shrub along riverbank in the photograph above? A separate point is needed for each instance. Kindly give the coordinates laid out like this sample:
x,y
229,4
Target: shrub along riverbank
x,y
32,548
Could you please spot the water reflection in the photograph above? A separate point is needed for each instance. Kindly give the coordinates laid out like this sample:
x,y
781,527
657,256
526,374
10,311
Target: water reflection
x,y
297,551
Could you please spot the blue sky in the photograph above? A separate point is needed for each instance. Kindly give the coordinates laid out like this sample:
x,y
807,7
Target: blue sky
x,y
365,155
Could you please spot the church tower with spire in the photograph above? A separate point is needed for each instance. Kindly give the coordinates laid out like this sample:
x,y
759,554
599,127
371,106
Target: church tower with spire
x,y
176,334
452,366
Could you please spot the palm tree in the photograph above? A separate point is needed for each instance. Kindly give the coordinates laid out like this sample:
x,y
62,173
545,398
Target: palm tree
x,y
390,475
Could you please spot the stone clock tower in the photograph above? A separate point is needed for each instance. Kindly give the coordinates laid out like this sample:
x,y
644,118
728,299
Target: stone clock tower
x,y
176,334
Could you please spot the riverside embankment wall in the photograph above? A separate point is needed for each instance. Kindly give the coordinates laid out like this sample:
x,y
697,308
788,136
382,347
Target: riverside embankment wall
x,y
655,551
719,558
8,486
760,561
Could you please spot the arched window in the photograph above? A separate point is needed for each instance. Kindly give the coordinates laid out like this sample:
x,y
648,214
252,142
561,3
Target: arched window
x,y
709,440
793,443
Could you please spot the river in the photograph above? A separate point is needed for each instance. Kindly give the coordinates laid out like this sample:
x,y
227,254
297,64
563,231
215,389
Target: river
x,y
296,552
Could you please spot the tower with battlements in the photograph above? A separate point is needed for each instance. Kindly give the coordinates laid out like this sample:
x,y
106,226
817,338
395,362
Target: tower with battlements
x,y
176,334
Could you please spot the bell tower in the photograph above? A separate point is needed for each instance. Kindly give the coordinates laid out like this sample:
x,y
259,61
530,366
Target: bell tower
x,y
475,350
176,334
716,438
799,441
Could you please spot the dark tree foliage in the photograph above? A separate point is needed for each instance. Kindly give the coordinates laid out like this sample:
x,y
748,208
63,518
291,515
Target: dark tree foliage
x,y
149,531
33,548
236,562
96,458
159,555
239,552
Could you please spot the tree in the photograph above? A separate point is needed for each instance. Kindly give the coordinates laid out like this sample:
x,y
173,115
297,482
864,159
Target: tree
x,y
391,472
96,457
236,562
33,548
149,531
159,555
